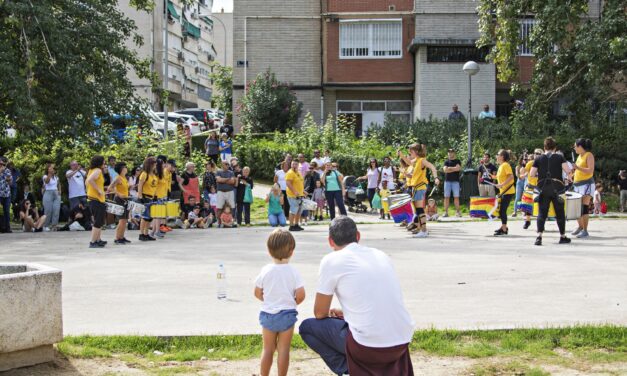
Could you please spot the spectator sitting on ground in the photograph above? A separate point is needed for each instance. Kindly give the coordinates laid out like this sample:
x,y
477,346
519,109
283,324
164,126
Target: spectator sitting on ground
x,y
486,113
226,218
276,217
432,210
194,220
79,220
26,194
31,221
207,213
186,208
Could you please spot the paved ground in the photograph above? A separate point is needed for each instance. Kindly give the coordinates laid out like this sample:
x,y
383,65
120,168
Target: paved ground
x,y
460,277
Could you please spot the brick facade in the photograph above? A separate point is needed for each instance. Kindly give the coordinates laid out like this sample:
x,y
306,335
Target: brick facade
x,y
333,6
367,70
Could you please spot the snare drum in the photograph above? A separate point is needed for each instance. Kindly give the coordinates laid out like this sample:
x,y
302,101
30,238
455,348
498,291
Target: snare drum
x,y
136,208
394,199
526,203
158,210
309,204
402,211
573,205
172,209
115,209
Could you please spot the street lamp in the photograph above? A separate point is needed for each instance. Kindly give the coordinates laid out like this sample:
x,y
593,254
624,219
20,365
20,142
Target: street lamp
x,y
225,31
471,68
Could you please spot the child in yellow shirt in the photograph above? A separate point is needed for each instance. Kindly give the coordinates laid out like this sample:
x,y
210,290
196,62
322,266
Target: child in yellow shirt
x,y
384,192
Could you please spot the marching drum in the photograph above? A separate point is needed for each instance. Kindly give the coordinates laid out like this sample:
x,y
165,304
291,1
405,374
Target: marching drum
x,y
309,204
573,205
135,208
402,211
536,206
158,210
172,209
115,209
526,203
480,207
394,199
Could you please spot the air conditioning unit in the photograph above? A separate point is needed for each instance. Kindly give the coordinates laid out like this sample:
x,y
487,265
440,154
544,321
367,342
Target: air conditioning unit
x,y
197,70
210,57
392,8
180,56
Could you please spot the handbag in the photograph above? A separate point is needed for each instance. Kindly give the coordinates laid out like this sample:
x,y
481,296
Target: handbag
x,y
248,195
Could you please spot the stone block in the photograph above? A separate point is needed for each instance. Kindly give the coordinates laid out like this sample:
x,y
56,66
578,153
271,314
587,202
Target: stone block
x,y
30,314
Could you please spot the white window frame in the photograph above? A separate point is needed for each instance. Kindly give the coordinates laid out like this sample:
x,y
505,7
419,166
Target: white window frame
x,y
370,22
361,107
526,28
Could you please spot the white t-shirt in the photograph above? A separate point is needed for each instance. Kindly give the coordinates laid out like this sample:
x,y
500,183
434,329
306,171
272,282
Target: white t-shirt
x,y
213,199
52,185
281,180
76,183
320,164
279,283
366,285
387,174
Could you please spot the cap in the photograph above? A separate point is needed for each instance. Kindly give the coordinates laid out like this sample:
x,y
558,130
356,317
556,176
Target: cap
x,y
172,162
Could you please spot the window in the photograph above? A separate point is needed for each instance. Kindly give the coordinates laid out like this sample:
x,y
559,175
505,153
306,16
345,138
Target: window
x,y
175,72
373,106
453,54
174,42
377,39
344,106
399,106
526,27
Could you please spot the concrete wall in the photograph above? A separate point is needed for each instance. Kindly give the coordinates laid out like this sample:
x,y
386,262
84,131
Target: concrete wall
x,y
440,85
30,314
223,51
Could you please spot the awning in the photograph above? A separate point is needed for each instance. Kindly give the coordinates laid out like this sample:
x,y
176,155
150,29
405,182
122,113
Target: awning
x,y
190,29
172,10
208,20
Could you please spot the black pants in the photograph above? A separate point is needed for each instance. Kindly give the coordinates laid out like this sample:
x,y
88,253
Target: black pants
x,y
333,198
371,193
505,201
543,211
245,208
286,205
214,158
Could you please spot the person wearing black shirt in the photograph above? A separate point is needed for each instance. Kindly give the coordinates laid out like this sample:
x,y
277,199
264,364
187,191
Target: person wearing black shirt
x,y
175,187
228,129
622,187
485,177
452,166
548,169
243,208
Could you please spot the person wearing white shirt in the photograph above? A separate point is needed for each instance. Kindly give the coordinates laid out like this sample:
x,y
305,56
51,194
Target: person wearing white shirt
x,y
320,162
76,185
373,329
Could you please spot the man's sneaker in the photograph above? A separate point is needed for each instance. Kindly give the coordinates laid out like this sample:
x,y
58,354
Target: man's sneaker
x,y
159,234
119,241
150,238
142,238
125,240
445,215
103,242
46,229
96,245
583,234
564,240
299,228
538,240
526,225
422,234
292,228
577,231
411,226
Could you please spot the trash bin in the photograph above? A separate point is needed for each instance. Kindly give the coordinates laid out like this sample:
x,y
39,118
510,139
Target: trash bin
x,y
469,185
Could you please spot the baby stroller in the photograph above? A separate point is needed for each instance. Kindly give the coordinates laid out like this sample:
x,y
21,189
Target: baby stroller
x,y
355,195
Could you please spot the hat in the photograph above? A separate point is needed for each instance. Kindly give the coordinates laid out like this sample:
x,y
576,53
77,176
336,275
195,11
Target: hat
x,y
451,150
172,162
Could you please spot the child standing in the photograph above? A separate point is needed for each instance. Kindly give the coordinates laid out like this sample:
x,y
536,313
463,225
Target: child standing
x,y
384,193
213,198
597,199
432,210
280,287
226,218
318,197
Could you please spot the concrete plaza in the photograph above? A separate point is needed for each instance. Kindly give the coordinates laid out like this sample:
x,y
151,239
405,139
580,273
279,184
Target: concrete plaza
x,y
460,277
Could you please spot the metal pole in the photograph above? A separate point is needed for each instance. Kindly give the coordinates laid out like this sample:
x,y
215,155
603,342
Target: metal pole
x,y
469,162
165,69
245,54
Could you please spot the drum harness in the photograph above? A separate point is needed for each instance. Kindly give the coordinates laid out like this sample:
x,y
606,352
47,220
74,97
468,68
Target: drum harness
x,y
547,183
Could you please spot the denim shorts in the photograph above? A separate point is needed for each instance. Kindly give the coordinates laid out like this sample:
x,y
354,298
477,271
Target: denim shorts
x,y
419,195
296,205
451,188
278,322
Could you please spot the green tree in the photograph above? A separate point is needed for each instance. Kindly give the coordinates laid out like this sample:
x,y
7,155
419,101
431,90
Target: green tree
x,y
222,78
64,61
576,57
269,105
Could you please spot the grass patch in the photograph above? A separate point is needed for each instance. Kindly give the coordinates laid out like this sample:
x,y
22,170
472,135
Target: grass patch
x,y
598,344
510,368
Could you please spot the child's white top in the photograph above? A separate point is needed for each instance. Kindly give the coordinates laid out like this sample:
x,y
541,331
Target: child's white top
x,y
213,199
597,197
191,215
279,282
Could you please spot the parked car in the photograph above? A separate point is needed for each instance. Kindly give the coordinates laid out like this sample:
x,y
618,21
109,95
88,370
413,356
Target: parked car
x,y
185,119
202,114
157,122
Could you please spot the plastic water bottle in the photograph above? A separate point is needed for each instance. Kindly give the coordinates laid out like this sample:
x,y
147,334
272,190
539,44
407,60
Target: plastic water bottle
x,y
221,279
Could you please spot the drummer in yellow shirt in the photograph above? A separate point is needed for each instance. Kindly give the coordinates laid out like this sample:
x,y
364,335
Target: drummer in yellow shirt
x,y
163,184
96,199
505,180
119,186
146,192
583,183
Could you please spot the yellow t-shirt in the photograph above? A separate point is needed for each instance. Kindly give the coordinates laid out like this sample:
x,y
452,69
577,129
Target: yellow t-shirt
x,y
162,186
122,187
419,175
531,181
384,194
92,193
502,174
168,176
297,182
150,184
582,161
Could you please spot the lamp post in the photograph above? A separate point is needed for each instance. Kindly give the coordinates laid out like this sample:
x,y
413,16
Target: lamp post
x,y
223,26
471,68
166,20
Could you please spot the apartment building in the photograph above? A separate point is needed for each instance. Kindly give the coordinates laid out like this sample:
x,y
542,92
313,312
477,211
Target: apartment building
x,y
223,37
373,58
190,50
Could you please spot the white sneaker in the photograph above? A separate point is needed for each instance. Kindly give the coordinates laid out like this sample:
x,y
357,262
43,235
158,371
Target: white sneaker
x,y
46,229
583,234
421,234
577,231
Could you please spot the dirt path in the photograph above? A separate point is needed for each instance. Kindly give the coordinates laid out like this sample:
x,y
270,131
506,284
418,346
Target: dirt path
x,y
305,363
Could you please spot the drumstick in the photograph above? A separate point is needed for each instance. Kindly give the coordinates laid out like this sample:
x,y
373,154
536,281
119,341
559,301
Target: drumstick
x,y
435,188
490,183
